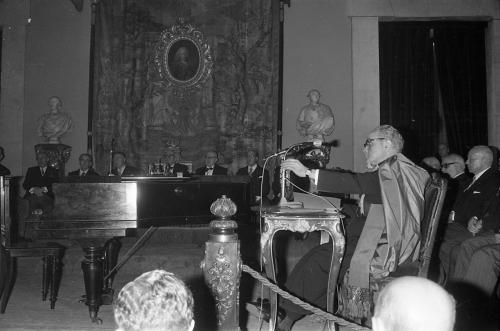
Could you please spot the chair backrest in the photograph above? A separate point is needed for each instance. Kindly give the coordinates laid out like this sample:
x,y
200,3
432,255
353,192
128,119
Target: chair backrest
x,y
5,212
434,198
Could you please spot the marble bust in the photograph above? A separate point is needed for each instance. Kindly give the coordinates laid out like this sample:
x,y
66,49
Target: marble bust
x,y
315,120
55,123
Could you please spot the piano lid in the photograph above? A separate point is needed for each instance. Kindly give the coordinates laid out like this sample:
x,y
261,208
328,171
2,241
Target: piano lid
x,y
95,201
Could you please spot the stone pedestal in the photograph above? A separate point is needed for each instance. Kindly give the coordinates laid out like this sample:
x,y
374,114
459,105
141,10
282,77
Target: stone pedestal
x,y
58,155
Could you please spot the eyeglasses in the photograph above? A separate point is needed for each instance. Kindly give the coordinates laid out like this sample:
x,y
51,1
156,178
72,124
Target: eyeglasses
x,y
369,141
446,165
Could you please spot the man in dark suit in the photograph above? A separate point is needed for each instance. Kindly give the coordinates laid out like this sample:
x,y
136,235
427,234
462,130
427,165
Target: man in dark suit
x,y
121,168
453,165
38,184
257,175
467,218
4,171
174,167
86,169
211,167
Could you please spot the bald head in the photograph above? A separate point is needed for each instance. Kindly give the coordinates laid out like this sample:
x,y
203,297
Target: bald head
x,y
414,304
479,158
453,165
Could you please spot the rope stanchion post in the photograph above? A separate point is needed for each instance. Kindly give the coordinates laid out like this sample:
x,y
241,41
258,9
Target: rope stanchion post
x,y
222,264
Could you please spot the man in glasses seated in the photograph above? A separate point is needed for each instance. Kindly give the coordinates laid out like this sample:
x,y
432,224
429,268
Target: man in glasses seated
x,y
385,234
453,165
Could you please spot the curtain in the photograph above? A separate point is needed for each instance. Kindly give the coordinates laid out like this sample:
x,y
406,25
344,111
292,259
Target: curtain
x,y
460,55
411,92
235,109
407,86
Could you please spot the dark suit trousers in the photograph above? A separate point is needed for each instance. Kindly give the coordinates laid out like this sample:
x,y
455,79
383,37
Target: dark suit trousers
x,y
478,262
309,278
44,202
454,236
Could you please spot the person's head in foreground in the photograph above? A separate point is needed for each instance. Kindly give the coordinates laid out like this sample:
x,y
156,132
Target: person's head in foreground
x,y
413,304
154,301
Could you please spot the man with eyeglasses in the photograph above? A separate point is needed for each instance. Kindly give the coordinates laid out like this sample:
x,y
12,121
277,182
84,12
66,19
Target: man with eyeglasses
x,y
453,165
469,216
388,232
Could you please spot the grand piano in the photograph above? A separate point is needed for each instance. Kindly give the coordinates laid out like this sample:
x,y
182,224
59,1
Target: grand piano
x,y
97,214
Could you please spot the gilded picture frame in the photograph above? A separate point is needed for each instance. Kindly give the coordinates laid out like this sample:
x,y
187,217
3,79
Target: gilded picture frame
x,y
183,57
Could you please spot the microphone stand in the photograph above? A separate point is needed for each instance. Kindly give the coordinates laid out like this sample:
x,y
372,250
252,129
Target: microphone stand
x,y
110,173
285,177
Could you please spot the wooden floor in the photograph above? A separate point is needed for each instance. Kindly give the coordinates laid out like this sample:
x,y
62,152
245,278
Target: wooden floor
x,y
179,252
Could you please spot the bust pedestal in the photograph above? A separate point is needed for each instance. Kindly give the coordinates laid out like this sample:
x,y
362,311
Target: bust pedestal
x,y
58,155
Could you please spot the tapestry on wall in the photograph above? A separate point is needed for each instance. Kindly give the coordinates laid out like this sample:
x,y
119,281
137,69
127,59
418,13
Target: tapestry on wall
x,y
234,109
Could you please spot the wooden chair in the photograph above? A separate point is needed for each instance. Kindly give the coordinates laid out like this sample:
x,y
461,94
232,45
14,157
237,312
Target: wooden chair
x,y
10,250
433,198
435,193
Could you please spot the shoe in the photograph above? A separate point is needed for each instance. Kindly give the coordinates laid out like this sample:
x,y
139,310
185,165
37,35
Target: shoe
x,y
262,309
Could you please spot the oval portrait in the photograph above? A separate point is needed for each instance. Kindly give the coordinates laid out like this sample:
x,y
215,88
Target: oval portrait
x,y
183,59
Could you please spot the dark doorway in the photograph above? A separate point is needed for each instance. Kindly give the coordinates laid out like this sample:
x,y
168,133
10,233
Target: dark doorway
x,y
433,84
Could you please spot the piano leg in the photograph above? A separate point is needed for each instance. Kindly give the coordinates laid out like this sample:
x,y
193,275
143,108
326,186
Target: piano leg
x,y
92,268
110,259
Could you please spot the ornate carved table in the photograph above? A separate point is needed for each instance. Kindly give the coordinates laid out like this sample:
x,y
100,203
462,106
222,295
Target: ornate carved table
x,y
301,220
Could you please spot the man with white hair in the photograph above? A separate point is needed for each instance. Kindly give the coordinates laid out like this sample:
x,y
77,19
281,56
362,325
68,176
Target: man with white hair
x,y
155,301
389,236
413,304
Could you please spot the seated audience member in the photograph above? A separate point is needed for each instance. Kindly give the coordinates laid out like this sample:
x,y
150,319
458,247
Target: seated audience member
x,y
390,231
467,218
257,175
413,304
4,171
121,168
211,167
86,169
174,167
453,166
154,301
38,184
478,258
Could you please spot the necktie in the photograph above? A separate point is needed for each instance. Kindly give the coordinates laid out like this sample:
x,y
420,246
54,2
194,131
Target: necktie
x,y
471,183
250,170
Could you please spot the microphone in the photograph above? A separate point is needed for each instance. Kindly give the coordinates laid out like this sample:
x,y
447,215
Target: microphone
x,y
319,143
307,144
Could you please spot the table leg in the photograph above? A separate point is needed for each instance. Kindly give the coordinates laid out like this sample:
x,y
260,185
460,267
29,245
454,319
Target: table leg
x,y
269,265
